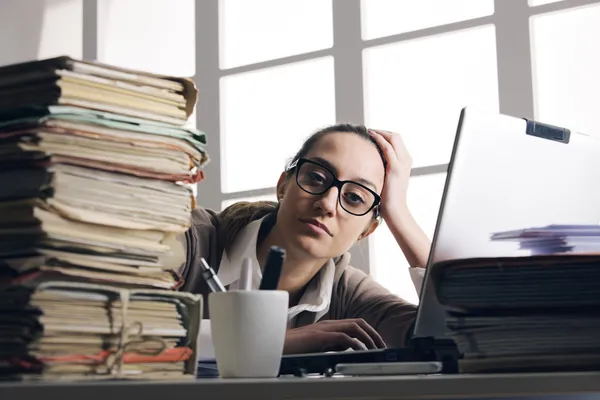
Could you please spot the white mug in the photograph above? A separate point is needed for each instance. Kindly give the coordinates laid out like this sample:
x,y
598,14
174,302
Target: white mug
x,y
205,347
248,331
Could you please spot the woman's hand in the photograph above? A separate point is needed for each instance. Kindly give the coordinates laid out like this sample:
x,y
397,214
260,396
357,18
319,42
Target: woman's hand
x,y
394,209
334,335
397,174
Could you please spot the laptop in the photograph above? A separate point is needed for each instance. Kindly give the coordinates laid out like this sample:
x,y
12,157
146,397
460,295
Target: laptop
x,y
504,173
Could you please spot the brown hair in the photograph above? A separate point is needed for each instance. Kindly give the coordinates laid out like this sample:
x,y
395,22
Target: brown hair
x,y
235,217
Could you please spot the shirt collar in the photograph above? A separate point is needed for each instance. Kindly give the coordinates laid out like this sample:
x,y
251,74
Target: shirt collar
x,y
230,267
316,297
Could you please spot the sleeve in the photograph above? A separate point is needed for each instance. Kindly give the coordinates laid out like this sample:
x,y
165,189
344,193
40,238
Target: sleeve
x,y
391,316
199,241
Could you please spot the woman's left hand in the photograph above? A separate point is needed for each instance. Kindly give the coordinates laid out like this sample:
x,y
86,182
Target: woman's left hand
x,y
397,174
394,209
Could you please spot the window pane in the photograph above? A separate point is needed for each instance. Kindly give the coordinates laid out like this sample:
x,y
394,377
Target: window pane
x,y
265,117
534,3
388,265
57,38
268,197
390,17
565,68
418,88
151,35
261,30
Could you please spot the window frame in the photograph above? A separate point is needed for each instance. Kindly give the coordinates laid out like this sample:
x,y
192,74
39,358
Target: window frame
x,y
514,58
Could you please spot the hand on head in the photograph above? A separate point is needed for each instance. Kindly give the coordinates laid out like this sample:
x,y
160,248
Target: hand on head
x,y
332,335
397,174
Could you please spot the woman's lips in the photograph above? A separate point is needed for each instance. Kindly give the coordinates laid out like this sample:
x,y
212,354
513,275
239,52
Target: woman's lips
x,y
316,226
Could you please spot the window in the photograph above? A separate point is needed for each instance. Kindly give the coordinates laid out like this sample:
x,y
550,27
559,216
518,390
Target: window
x,y
151,35
566,62
390,17
262,30
405,85
409,82
157,36
265,117
389,265
271,72
56,37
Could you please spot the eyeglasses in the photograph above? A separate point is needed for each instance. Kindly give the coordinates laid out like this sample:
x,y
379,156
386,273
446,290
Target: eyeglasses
x,y
317,179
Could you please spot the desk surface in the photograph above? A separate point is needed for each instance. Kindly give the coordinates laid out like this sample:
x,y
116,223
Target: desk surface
x,y
398,387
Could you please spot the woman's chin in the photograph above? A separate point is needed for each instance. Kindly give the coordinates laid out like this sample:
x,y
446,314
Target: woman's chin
x,y
314,247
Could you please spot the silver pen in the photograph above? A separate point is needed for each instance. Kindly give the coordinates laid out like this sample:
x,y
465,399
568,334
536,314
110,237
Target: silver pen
x,y
212,280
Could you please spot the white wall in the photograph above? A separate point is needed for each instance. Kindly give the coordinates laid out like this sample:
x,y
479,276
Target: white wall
x,y
35,29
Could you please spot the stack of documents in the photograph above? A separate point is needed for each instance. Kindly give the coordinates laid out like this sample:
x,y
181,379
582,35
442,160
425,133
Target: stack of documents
x,y
66,331
553,239
78,193
94,162
523,313
64,80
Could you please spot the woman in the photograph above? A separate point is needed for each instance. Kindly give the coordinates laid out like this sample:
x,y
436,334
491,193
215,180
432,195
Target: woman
x,y
343,180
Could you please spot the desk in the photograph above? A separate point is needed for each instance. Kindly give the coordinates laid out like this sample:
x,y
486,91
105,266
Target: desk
x,y
399,387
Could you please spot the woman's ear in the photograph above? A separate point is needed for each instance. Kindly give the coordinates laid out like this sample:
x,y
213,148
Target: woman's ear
x,y
373,224
281,186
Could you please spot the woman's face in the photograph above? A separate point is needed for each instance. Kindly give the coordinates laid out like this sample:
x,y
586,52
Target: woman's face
x,y
317,224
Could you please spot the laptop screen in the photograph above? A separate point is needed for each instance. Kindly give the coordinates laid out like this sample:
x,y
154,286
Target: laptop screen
x,y
502,177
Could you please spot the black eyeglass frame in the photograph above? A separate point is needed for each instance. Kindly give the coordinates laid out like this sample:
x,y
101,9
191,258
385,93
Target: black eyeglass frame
x,y
335,182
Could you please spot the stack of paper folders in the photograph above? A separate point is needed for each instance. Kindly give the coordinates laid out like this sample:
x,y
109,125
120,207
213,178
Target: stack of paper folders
x,y
523,313
93,165
64,80
64,331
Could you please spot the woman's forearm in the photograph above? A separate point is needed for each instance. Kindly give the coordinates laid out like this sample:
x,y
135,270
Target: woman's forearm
x,y
410,237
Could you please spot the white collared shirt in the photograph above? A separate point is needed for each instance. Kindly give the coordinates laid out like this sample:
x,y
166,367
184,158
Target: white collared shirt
x,y
316,297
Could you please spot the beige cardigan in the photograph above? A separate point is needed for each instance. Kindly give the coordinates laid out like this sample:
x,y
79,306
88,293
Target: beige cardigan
x,y
354,295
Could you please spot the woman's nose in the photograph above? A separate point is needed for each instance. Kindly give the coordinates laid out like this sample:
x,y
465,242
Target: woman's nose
x,y
328,201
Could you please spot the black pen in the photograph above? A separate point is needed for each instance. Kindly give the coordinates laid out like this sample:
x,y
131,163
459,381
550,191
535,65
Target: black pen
x,y
212,280
270,279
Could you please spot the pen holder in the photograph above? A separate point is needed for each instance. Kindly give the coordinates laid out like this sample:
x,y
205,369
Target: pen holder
x,y
248,332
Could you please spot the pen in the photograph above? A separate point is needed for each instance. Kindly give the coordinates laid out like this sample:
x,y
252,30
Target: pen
x,y
212,280
275,258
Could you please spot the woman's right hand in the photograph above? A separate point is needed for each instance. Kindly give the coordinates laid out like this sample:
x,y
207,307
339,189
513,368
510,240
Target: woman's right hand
x,y
332,335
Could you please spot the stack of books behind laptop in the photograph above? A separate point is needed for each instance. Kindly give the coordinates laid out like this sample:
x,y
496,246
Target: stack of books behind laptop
x,y
94,162
523,313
